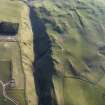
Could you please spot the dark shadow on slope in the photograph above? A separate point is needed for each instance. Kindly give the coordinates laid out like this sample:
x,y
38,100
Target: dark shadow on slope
x,y
8,28
43,65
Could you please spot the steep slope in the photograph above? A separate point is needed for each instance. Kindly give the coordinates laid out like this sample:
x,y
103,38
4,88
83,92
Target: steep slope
x,y
70,46
26,43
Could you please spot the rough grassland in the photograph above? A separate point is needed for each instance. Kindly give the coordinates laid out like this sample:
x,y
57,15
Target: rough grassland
x,y
77,31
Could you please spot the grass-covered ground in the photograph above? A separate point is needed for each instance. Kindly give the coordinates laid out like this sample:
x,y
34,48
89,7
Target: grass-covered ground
x,y
78,92
10,10
10,52
76,30
5,70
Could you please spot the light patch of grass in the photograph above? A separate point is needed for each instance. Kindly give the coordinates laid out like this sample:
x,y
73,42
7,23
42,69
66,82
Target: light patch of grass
x,y
26,44
58,87
10,10
78,92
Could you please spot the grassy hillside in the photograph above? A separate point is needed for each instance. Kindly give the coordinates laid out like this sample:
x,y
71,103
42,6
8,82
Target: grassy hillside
x,y
76,29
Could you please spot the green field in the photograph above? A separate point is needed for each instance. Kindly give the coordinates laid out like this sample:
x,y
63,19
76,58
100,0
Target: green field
x,y
77,92
5,70
10,10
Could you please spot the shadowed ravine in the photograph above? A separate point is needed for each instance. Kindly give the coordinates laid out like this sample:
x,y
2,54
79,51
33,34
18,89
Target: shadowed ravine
x,y
69,48
43,65
43,62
